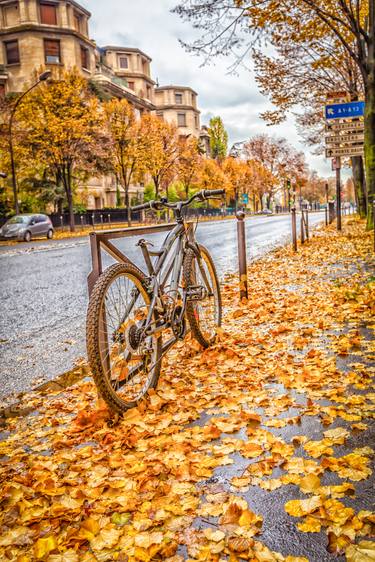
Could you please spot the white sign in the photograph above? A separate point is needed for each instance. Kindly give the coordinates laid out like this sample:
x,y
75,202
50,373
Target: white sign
x,y
347,151
352,126
338,139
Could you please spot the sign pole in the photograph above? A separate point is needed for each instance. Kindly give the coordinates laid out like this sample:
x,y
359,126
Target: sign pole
x,y
338,194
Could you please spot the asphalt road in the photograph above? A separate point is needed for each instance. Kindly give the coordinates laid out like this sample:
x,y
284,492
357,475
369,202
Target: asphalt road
x,y
44,294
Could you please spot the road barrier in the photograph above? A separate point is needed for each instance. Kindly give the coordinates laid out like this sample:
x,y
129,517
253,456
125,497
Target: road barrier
x,y
242,263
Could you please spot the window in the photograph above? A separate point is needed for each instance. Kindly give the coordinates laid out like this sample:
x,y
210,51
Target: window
x,y
131,85
48,13
85,58
11,16
160,114
12,52
123,62
178,98
148,90
196,119
78,22
181,119
52,51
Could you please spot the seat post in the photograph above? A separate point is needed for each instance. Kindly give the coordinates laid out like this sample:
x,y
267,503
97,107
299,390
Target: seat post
x,y
143,244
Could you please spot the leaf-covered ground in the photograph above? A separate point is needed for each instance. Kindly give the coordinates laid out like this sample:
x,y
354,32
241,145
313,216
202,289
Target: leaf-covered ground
x,y
257,449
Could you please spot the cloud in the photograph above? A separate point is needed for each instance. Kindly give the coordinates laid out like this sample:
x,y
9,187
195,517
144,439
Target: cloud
x,y
151,27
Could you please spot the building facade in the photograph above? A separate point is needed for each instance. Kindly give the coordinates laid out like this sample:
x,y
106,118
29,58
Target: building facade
x,y
54,34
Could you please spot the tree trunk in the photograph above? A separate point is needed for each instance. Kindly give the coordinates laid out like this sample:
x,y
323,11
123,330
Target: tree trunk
x,y
370,121
127,205
359,185
67,181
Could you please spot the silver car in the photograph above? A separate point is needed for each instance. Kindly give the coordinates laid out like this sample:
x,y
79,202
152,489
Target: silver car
x,y
26,227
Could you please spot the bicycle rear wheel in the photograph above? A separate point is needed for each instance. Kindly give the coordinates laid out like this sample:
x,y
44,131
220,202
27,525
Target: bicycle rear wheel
x,y
124,363
204,315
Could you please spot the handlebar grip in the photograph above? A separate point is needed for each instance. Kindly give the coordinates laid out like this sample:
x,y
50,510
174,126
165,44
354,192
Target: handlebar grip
x,y
142,207
207,193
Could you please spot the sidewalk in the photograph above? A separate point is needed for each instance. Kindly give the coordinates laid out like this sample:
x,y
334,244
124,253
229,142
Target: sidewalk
x,y
256,449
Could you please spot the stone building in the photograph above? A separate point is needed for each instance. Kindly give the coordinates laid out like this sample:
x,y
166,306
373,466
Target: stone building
x,y
36,34
54,34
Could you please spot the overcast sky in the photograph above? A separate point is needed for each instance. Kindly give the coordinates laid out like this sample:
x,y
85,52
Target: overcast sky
x,y
149,26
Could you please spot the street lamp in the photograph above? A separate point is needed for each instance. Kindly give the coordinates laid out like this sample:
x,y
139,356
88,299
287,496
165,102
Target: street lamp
x,y
42,78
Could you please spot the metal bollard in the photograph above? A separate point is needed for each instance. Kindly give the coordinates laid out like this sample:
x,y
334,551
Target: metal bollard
x,y
241,240
326,216
302,228
101,219
109,218
81,221
93,221
307,223
62,222
294,228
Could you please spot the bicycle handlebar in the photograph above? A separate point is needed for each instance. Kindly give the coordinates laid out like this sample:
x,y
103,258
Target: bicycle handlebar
x,y
158,205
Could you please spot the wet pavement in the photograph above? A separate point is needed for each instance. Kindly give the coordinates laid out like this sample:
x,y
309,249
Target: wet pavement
x,y
44,294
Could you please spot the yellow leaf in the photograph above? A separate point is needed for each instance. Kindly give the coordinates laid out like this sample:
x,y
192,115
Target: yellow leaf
x,y
44,546
309,525
309,483
215,536
248,518
362,552
297,508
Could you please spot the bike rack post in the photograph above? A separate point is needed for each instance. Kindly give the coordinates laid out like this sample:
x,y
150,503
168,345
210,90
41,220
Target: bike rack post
x,y
241,240
326,216
294,228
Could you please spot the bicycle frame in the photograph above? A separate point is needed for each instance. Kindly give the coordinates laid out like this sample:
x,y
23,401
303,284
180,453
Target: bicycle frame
x,y
185,238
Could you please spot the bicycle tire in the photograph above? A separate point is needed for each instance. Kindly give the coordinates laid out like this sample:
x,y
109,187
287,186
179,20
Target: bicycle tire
x,y
192,312
94,312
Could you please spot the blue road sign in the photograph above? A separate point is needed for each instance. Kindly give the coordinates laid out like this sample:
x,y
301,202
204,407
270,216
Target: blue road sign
x,y
245,198
345,110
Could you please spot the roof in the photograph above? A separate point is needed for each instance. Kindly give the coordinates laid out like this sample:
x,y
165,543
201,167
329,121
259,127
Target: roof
x,y
126,50
174,87
79,7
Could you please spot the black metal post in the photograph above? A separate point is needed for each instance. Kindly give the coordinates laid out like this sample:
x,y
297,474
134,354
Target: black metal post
x,y
294,228
241,240
338,197
307,223
44,76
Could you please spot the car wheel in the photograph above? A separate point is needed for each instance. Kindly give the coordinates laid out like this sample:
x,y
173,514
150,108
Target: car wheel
x,y
27,236
50,234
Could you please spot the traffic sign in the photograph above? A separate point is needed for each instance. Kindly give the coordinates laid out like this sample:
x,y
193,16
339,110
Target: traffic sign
x,y
346,126
348,110
245,198
347,139
344,151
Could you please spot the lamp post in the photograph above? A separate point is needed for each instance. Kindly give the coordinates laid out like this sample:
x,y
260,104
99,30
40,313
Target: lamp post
x,y
42,78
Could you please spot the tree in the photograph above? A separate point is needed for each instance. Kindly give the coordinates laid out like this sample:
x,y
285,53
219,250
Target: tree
x,y
211,176
189,162
235,171
126,146
278,158
218,139
63,129
160,141
349,23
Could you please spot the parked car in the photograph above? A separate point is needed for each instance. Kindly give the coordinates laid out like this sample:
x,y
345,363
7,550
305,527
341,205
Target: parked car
x,y
265,212
26,227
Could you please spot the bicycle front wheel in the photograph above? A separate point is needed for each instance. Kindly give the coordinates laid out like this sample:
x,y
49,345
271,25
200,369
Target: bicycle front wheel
x,y
125,364
203,308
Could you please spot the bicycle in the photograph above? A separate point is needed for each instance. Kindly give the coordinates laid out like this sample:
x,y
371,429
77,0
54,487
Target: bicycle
x,y
130,312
